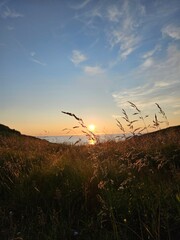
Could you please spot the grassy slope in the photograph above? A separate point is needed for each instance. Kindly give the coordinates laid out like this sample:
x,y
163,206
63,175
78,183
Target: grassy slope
x,y
125,190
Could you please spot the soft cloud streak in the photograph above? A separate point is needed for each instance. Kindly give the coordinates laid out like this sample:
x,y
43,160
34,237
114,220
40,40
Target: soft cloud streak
x,y
160,83
148,63
38,62
10,13
126,41
96,70
78,57
152,52
171,31
35,60
124,32
81,5
113,13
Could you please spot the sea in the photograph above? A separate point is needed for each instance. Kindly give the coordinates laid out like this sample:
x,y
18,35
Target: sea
x,y
81,139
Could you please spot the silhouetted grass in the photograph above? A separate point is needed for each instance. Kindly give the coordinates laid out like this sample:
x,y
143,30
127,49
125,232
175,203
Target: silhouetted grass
x,y
113,190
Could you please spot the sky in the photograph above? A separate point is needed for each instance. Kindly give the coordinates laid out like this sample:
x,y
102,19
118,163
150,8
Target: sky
x,y
87,57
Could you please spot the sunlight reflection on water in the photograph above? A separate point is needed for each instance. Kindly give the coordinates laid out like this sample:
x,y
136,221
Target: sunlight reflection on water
x,y
92,141
79,139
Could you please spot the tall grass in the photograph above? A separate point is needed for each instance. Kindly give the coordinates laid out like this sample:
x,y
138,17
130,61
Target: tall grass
x,y
92,137
113,190
133,131
129,122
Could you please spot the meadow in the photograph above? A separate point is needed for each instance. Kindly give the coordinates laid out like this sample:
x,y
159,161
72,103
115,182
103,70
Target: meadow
x,y
113,190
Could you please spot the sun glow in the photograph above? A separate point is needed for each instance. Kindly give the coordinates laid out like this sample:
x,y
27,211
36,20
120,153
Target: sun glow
x,y
91,127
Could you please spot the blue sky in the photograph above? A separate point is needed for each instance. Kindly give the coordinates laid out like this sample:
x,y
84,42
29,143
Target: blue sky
x,y
88,57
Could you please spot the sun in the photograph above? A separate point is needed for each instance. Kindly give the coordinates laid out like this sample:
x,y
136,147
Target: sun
x,y
91,127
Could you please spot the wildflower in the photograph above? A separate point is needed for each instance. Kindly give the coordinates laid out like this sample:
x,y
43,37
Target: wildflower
x,y
121,188
101,184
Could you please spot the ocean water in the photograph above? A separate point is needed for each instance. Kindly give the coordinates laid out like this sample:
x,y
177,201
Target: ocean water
x,y
80,139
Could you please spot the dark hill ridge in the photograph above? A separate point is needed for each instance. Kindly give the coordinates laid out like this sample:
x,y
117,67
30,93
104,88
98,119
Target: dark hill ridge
x,y
170,132
166,132
163,136
6,131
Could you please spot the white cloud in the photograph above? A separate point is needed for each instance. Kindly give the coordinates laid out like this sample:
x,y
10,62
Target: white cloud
x,y
93,70
81,5
113,13
32,54
124,21
88,19
162,84
38,62
126,41
146,95
126,52
78,57
152,52
142,10
128,44
171,31
159,83
148,63
8,13
35,60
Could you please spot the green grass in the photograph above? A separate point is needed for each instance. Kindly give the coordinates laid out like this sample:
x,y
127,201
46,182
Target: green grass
x,y
113,190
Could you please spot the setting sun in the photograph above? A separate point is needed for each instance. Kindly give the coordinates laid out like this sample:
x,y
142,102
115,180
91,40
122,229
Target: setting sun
x,y
91,127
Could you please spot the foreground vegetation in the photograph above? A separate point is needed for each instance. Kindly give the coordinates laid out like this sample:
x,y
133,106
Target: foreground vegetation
x,y
113,190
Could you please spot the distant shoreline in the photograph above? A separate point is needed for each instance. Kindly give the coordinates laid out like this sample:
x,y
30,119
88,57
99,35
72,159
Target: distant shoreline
x,y
74,138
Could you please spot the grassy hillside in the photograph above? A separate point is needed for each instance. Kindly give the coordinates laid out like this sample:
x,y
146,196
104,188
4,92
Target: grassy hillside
x,y
6,131
113,190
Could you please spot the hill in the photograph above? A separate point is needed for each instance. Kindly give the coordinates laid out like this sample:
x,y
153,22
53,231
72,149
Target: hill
x,y
112,190
166,134
6,131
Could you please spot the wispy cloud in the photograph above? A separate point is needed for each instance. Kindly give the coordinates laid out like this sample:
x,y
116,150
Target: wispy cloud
x,y
32,54
123,33
160,82
80,5
119,23
10,13
148,63
78,57
127,42
152,52
146,95
88,19
36,60
96,70
113,13
2,4
171,31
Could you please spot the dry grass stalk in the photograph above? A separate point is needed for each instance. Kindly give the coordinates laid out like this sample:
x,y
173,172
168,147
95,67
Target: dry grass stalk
x,y
139,130
163,114
138,112
89,134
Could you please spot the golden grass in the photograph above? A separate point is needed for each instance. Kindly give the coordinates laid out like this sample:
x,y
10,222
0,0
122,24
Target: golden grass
x,y
113,190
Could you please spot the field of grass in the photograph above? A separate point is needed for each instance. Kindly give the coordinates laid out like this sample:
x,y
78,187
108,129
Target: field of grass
x,y
113,190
